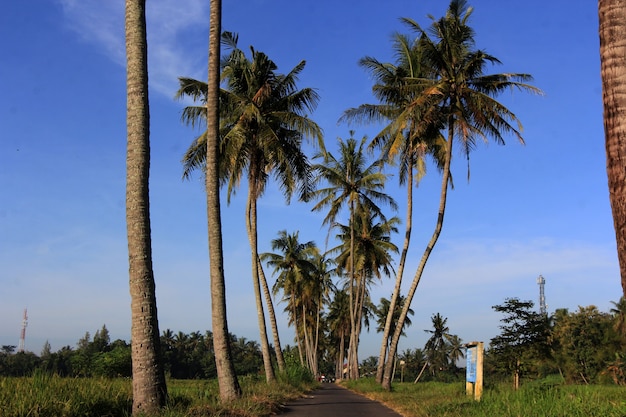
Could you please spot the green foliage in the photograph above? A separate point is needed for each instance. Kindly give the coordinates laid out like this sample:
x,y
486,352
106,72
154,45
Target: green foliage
x,y
296,375
523,342
540,398
442,349
45,395
585,343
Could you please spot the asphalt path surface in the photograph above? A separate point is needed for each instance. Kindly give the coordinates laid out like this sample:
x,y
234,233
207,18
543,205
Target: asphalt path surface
x,y
331,400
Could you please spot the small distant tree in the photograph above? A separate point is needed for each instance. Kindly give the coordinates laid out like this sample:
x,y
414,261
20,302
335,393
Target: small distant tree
x,y
523,340
8,349
101,340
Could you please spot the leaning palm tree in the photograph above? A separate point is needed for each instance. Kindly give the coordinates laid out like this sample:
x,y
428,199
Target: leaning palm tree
x,y
351,182
382,312
405,139
263,121
149,389
436,346
458,89
612,18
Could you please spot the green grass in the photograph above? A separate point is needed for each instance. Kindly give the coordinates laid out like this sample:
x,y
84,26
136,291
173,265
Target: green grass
x,y
50,396
45,395
539,398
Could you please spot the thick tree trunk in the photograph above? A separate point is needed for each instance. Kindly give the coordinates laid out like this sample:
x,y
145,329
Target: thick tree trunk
x,y
251,220
612,18
149,389
227,379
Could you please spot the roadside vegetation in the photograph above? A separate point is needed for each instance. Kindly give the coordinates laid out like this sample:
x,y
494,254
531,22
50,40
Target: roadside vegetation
x,y
45,395
548,397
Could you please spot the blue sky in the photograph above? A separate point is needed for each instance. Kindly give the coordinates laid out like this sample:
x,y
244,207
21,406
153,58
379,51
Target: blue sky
x,y
528,210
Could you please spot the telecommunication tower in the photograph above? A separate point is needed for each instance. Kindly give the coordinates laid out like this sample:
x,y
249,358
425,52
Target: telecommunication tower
x,y
22,344
543,309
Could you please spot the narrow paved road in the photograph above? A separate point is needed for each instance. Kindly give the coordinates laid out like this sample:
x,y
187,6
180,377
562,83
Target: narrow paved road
x,y
331,400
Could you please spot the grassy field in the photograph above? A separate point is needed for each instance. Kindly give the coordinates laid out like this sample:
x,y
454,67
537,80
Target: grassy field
x,y
539,398
50,396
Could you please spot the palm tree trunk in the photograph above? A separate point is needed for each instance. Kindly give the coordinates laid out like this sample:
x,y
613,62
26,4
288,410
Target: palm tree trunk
x,y
393,347
251,222
612,18
361,287
280,359
317,335
421,372
352,301
342,348
227,379
396,290
149,389
296,326
307,347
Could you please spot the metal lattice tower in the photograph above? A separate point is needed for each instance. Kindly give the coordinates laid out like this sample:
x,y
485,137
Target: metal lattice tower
x,y
543,308
22,344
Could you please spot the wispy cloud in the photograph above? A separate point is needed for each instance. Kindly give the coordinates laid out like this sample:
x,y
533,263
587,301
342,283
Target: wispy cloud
x,y
169,22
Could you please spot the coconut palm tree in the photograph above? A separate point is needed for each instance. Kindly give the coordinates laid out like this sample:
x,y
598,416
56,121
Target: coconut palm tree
x,y
291,265
339,324
227,379
149,389
304,276
612,18
366,246
317,290
263,120
459,89
382,312
405,139
351,182
619,312
455,349
436,345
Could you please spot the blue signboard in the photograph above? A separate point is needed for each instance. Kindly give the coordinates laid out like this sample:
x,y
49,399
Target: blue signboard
x,y
470,371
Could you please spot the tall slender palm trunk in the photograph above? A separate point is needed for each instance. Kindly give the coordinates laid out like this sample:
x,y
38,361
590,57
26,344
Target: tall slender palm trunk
x,y
294,313
396,290
340,356
227,379
354,340
149,389
393,347
251,222
278,351
612,18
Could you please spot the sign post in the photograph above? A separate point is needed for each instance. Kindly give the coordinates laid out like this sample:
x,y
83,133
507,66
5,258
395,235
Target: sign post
x,y
474,353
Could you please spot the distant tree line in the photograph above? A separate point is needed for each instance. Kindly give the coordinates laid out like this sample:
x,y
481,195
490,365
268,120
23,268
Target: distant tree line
x,y
185,356
584,346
